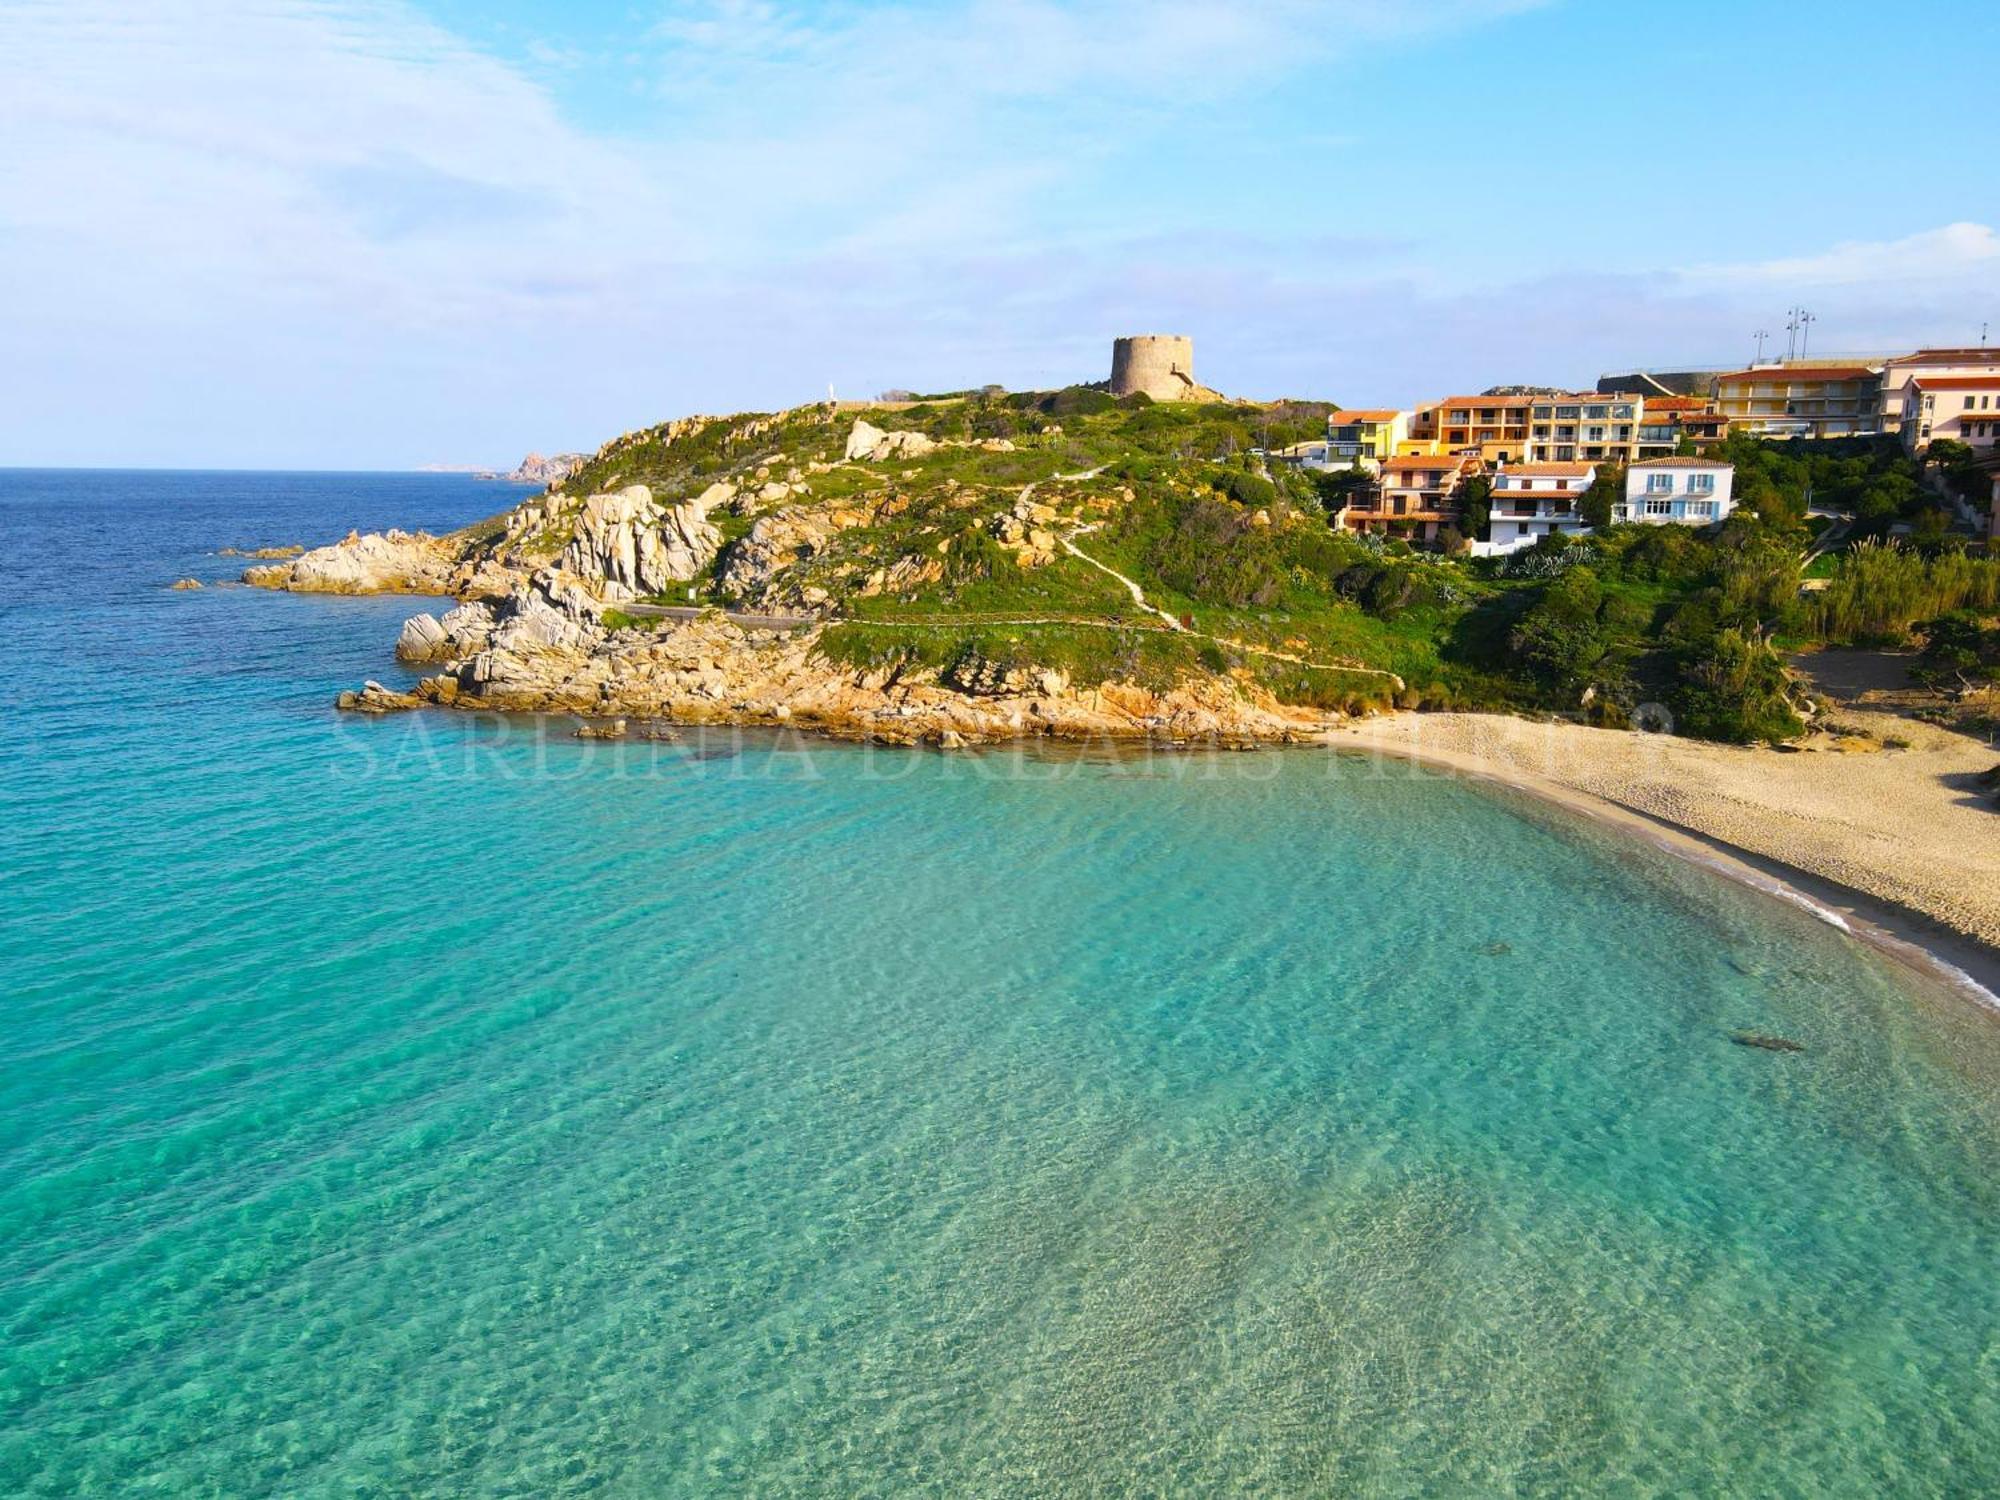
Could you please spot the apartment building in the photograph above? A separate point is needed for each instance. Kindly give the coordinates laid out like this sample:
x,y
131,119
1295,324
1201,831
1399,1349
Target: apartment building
x,y
1687,491
1494,427
1417,496
1585,428
1965,408
1928,365
1803,400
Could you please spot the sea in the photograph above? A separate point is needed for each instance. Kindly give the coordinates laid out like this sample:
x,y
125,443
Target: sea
x,y
440,1105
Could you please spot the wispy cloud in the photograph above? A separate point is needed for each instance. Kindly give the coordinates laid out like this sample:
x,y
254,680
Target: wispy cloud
x,y
326,230
1951,252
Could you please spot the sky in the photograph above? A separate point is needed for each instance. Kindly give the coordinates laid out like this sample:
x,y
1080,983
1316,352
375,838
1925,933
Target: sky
x,y
394,233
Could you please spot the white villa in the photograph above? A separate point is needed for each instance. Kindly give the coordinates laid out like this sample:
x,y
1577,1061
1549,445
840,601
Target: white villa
x,y
1532,500
1690,491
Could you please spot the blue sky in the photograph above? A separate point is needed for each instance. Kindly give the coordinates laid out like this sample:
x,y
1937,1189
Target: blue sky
x,y
368,233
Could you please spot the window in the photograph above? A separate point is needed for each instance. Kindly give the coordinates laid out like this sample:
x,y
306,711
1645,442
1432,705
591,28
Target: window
x,y
1702,508
1659,484
1659,507
1701,484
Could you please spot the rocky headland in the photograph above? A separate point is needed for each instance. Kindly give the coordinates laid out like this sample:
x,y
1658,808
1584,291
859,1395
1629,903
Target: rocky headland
x,y
715,607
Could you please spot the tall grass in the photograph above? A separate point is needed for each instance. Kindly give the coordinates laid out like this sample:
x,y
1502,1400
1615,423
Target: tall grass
x,y
1879,591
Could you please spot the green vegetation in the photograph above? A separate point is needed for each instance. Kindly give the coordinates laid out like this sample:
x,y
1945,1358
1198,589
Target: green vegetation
x,y
1878,593
953,561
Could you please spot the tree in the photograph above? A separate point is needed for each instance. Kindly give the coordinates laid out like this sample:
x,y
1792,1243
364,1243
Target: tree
x,y
1477,499
1559,638
1605,491
1732,688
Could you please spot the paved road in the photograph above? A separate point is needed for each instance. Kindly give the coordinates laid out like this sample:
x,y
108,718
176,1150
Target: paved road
x,y
690,612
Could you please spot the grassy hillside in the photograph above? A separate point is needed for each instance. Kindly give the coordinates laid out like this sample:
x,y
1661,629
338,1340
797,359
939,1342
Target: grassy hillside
x,y
954,559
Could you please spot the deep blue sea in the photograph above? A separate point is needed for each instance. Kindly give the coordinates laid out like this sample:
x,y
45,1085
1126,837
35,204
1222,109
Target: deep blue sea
x,y
438,1105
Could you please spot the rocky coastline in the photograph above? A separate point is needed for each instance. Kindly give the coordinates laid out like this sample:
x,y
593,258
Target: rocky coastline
x,y
538,629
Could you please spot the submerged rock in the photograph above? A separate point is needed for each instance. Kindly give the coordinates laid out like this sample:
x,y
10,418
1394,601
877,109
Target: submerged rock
x,y
1768,1043
186,583
613,730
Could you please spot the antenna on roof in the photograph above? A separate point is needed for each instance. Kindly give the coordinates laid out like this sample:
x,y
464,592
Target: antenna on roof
x,y
1806,321
1760,336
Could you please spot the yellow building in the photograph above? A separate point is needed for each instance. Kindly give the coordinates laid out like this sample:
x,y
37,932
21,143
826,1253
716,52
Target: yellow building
x,y
1802,400
1365,436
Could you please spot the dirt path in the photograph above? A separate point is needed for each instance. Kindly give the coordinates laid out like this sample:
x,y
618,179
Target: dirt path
x,y
1139,598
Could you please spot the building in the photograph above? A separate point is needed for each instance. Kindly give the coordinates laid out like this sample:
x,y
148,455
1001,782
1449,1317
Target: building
x,y
1964,408
1530,501
1803,400
1928,365
1584,428
1159,365
1493,427
1366,437
1665,422
1417,496
1690,491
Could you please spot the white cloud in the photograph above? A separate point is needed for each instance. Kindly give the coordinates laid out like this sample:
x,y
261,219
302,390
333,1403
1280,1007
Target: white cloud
x,y
271,231
1948,253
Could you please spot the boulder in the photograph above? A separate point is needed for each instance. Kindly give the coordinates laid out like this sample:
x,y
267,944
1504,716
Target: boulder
x,y
423,639
868,443
186,583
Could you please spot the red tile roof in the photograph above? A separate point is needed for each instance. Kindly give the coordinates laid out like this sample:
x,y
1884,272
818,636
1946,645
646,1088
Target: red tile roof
x,y
1682,463
1368,414
1547,471
1959,383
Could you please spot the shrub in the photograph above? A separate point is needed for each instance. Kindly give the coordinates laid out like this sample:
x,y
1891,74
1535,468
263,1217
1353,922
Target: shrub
x,y
1730,687
1559,638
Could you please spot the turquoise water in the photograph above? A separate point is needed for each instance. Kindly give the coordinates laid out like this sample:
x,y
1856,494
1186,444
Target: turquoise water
x,y
437,1105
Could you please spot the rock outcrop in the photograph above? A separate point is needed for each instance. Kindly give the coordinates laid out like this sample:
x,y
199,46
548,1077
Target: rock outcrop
x,y
548,655
386,562
535,469
632,547
750,567
868,443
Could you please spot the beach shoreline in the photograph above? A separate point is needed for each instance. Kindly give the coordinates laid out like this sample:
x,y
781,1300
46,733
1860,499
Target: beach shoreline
x,y
1920,939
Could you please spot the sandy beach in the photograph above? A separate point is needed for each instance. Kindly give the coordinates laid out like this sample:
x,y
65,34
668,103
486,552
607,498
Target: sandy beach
x,y
1901,839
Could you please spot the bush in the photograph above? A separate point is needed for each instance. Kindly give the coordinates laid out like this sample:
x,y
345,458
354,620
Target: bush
x,y
1560,638
1250,490
1731,687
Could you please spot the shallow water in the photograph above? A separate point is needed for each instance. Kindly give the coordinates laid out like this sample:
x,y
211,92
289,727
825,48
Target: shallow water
x,y
439,1105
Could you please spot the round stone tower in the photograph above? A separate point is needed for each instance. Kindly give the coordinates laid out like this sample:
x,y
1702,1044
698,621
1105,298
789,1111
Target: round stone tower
x,y
1160,364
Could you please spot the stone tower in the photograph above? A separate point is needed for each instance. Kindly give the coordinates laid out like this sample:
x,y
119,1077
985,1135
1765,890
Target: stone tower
x,y
1160,364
